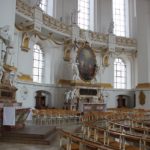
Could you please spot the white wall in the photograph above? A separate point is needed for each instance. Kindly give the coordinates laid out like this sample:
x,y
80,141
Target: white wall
x,y
143,28
143,38
28,100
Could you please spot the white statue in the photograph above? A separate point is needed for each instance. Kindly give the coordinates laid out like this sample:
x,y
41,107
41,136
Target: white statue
x,y
3,55
111,27
68,95
4,32
9,56
74,16
12,78
1,72
74,93
75,71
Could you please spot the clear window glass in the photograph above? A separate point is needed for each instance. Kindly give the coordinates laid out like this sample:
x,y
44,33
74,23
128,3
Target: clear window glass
x,y
120,17
120,80
84,14
38,64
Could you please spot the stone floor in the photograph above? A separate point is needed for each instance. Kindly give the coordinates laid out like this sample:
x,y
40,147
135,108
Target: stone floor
x,y
53,146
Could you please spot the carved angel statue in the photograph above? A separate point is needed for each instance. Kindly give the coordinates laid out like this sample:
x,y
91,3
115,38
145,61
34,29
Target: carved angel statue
x,y
12,76
9,59
74,16
4,32
75,71
111,27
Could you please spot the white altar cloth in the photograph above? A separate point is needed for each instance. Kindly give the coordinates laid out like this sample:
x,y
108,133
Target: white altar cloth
x,y
9,116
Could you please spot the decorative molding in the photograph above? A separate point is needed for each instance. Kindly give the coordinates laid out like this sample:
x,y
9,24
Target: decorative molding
x,y
143,85
67,49
142,98
9,68
55,26
64,82
88,84
25,77
105,60
85,84
125,41
24,8
25,42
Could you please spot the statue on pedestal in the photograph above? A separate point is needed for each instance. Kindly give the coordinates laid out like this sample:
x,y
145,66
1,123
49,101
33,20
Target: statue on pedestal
x,y
74,16
8,58
75,71
111,27
11,78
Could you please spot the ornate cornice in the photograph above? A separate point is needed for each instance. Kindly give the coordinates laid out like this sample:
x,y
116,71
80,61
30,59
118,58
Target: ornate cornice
x,y
143,86
24,8
25,77
52,25
55,24
103,38
80,83
9,68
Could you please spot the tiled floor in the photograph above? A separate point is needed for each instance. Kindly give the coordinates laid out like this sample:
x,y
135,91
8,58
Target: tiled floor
x,y
54,145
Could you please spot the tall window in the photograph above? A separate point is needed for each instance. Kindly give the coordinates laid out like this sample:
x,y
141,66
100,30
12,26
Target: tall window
x,y
38,64
121,17
85,15
44,5
120,79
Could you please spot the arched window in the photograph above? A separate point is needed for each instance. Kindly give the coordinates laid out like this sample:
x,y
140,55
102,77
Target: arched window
x,y
86,15
120,74
38,64
121,17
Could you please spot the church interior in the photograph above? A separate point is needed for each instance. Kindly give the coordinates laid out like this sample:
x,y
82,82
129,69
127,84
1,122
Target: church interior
x,y
75,75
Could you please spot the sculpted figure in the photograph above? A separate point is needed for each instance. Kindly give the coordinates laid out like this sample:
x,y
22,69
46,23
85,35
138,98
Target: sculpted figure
x,y
1,73
74,17
11,78
75,71
111,27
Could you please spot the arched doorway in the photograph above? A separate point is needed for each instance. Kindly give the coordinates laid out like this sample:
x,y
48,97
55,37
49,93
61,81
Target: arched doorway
x,y
43,99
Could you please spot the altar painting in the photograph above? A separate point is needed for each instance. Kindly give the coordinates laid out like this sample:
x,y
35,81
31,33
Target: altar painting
x,y
87,63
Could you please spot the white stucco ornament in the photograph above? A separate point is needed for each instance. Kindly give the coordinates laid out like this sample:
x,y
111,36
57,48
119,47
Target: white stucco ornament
x,y
24,92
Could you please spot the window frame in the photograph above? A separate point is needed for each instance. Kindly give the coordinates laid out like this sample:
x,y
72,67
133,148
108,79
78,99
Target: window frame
x,y
121,26
89,15
38,64
120,73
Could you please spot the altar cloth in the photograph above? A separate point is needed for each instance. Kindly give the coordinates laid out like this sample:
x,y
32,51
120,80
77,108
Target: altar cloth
x,y
9,115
